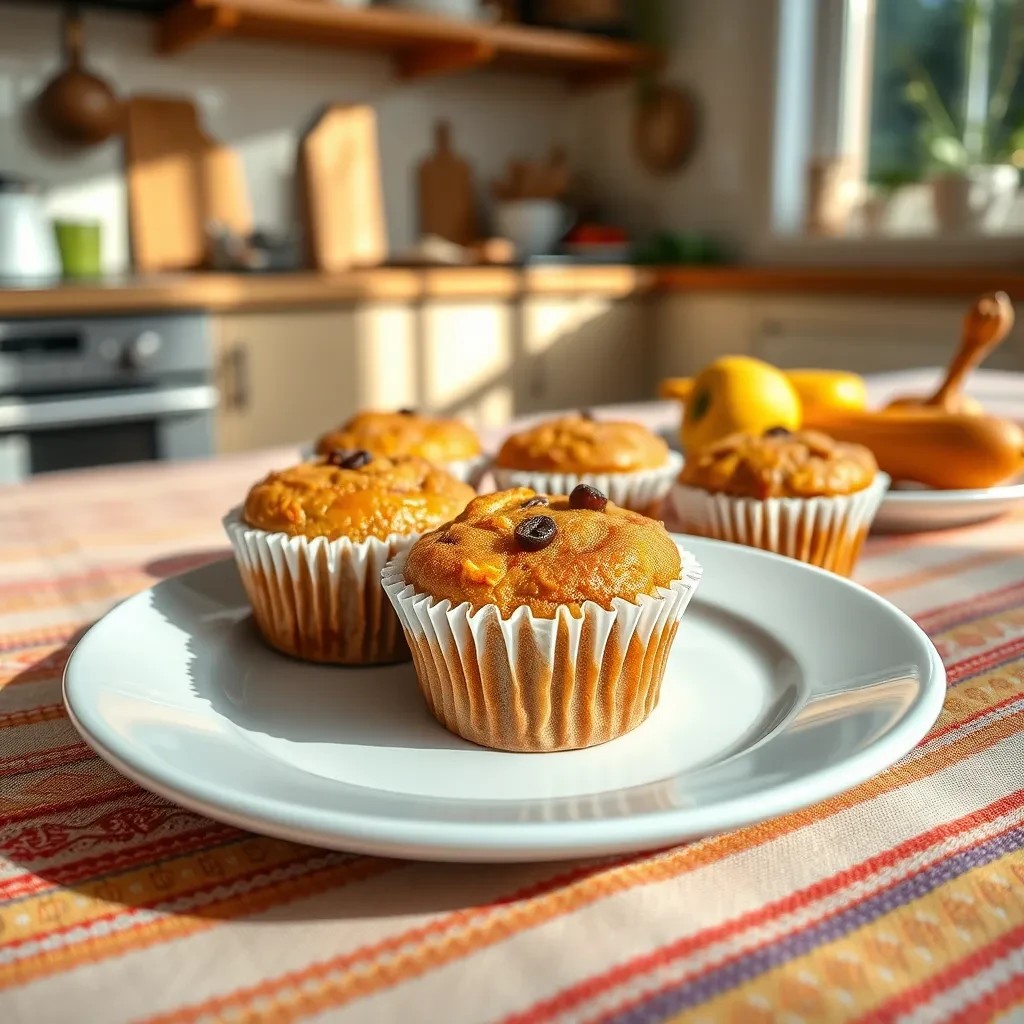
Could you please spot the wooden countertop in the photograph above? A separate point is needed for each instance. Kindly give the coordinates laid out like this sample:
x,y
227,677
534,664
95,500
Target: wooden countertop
x,y
239,292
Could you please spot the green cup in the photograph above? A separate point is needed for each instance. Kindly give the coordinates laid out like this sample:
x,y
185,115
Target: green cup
x,y
80,247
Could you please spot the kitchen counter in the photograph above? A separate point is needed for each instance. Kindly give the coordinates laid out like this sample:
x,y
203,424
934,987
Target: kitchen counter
x,y
235,292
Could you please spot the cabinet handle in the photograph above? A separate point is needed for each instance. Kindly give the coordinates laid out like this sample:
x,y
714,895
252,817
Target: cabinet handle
x,y
235,375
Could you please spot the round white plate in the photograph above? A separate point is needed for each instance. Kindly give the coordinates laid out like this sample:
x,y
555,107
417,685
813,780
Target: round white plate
x,y
920,508
786,685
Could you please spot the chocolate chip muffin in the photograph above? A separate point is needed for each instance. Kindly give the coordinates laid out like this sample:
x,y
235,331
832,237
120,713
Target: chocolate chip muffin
x,y
446,442
311,542
800,494
542,622
625,460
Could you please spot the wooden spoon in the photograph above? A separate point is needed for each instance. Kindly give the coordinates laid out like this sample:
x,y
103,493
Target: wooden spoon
x,y
986,324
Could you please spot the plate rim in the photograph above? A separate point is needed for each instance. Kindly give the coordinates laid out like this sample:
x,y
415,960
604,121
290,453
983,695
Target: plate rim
x,y
539,840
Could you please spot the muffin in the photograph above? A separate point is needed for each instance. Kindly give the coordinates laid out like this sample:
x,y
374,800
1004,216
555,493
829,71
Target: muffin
x,y
311,541
633,466
800,494
446,442
542,623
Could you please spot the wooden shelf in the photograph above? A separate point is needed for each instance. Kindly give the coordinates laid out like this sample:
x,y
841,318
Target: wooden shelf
x,y
420,44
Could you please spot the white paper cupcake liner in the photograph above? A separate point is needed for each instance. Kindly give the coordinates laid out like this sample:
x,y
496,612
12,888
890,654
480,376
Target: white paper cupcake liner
x,y
642,491
527,683
320,599
827,531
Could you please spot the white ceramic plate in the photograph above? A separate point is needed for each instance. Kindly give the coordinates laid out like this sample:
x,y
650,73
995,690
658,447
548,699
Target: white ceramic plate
x,y
918,509
786,685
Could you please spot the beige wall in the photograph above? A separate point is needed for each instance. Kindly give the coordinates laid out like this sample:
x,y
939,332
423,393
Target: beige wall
x,y
259,98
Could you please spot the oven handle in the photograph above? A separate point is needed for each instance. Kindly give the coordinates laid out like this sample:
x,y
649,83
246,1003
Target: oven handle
x,y
137,405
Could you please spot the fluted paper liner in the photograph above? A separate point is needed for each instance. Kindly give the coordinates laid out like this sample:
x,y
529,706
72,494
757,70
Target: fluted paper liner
x,y
528,683
642,490
825,531
320,599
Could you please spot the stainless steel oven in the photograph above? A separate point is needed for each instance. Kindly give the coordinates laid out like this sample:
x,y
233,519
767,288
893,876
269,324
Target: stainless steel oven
x,y
92,391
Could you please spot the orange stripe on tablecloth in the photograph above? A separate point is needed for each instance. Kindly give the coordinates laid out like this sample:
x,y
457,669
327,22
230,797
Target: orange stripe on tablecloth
x,y
624,973
291,995
206,836
912,998
948,616
177,924
996,1001
43,637
32,716
957,567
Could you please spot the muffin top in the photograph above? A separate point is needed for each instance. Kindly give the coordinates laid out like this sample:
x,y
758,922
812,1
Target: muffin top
x,y
404,433
780,464
356,495
579,444
516,548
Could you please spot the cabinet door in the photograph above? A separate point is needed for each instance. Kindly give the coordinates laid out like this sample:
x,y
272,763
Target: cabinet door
x,y
866,335
578,352
284,377
466,361
691,331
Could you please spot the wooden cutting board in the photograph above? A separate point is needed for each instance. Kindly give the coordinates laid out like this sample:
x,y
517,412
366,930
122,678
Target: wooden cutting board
x,y
179,179
340,190
447,201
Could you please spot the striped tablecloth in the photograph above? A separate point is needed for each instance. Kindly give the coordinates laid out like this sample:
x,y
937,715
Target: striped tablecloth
x,y
900,900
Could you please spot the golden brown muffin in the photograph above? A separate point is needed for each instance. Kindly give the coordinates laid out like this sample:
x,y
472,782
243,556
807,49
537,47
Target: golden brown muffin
x,y
404,433
780,464
496,553
355,495
578,444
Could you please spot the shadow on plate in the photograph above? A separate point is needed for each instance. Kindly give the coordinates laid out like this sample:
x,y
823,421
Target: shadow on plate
x,y
261,690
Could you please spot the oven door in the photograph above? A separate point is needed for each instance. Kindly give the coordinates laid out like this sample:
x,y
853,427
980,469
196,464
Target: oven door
x,y
42,434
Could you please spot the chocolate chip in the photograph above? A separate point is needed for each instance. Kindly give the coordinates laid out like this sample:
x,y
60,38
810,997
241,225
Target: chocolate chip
x,y
585,496
776,432
406,412
345,459
536,532
533,502
446,538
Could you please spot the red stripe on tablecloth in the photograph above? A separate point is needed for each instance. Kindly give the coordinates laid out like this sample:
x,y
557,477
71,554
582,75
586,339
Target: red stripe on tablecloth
x,y
999,999
918,995
979,663
595,985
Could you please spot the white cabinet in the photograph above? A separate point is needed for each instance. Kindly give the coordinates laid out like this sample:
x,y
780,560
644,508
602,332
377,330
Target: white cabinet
x,y
866,335
582,351
284,377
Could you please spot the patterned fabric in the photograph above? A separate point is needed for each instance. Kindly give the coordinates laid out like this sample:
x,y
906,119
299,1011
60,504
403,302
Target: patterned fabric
x,y
902,900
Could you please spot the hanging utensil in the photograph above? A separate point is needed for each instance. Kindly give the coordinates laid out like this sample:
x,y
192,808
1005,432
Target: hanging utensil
x,y
78,106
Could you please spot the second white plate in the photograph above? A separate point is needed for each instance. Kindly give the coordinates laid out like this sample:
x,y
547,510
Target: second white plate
x,y
918,509
786,685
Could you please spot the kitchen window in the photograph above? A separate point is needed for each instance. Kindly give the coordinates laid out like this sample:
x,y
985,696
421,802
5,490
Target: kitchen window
x,y
900,119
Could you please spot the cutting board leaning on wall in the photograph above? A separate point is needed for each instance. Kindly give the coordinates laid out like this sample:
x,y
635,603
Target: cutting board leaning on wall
x,y
340,190
179,180
447,201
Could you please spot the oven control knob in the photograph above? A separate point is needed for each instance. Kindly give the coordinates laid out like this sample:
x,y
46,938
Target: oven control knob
x,y
140,351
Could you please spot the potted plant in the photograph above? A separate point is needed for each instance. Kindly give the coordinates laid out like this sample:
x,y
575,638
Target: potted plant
x,y
973,153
